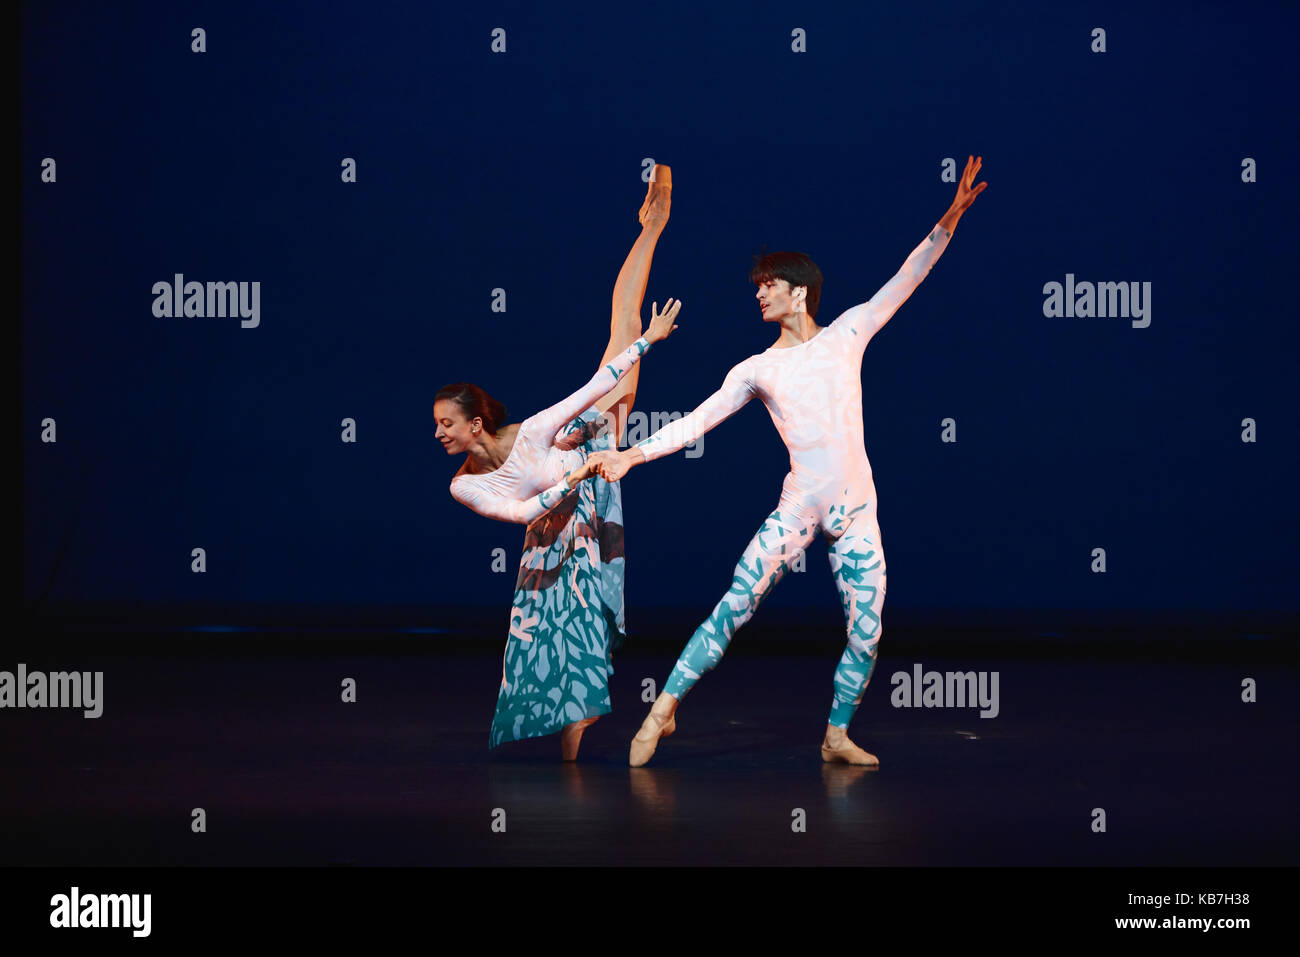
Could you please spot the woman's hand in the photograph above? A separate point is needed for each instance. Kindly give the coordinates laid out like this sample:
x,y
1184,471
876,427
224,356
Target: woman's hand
x,y
595,465
582,473
661,324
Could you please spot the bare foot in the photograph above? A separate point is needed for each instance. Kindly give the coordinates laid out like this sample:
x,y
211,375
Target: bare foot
x,y
837,748
659,723
571,737
658,197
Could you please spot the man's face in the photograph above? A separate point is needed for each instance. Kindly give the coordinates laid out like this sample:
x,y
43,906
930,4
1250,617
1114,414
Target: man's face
x,y
454,430
776,299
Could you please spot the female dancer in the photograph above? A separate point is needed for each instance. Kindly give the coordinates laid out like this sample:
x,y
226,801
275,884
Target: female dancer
x,y
567,615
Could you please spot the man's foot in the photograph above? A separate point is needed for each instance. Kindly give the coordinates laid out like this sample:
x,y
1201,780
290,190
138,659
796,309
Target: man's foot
x,y
838,749
571,737
658,197
654,727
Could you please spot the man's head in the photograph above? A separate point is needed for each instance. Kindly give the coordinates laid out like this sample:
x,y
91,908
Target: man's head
x,y
785,281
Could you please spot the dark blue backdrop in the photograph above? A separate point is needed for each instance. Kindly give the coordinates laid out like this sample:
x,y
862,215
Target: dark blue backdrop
x,y
522,170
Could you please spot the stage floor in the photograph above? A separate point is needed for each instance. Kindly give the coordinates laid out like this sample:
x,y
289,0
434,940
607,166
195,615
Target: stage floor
x,y
287,774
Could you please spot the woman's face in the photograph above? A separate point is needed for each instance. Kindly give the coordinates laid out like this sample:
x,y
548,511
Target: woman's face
x,y
455,432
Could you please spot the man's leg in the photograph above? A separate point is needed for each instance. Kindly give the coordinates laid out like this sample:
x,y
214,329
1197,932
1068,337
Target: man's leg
x,y
858,564
780,539
764,563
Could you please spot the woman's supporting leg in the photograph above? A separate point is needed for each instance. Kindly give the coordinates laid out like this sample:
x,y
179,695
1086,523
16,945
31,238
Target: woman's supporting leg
x,y
571,737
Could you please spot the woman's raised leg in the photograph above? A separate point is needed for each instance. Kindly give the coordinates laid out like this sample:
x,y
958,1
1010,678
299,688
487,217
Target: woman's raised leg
x,y
625,329
629,293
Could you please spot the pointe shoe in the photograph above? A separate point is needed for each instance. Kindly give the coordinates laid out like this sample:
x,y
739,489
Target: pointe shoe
x,y
658,197
571,737
849,753
653,728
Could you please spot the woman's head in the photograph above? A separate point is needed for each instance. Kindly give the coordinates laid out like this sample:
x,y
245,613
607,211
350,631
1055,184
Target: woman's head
x,y
463,413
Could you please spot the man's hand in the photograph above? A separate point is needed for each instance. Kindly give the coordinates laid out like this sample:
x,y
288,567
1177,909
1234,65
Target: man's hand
x,y
966,189
966,193
596,460
614,465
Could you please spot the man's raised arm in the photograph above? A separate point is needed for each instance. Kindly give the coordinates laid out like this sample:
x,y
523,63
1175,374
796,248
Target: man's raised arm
x,y
867,319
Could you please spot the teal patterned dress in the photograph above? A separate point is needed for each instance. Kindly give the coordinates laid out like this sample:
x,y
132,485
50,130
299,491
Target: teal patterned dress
x,y
567,614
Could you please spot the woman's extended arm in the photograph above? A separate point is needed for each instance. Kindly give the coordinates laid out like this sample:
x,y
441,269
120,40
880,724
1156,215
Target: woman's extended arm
x,y
550,421
491,504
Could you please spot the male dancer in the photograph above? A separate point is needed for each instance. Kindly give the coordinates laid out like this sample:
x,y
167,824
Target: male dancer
x,y
811,383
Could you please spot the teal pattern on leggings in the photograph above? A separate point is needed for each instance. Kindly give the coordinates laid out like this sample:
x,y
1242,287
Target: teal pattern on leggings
x,y
813,392
858,566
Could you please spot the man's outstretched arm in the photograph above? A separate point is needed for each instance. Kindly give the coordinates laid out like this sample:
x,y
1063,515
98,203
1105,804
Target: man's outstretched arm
x,y
867,319
737,389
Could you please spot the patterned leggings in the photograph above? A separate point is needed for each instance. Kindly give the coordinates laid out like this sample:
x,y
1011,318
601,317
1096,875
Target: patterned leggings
x,y
858,564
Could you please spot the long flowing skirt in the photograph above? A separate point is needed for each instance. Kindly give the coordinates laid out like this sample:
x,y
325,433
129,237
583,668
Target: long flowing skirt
x,y
567,616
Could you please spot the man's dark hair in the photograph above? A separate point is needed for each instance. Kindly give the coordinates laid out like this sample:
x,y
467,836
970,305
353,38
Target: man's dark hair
x,y
796,269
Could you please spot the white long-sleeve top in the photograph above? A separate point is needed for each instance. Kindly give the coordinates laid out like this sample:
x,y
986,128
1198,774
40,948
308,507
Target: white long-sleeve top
x,y
813,392
534,477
